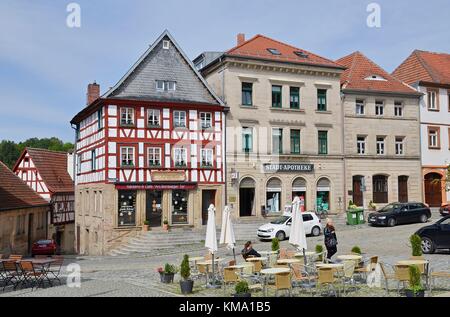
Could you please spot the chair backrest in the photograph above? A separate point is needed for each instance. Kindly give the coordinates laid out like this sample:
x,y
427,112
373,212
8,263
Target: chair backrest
x,y
325,275
283,254
208,257
10,265
229,275
283,281
248,269
59,260
296,269
26,266
231,263
349,268
383,270
281,266
290,254
257,266
374,260
15,257
402,272
202,268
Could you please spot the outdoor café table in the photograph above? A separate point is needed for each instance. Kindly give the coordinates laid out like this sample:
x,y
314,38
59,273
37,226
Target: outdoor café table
x,y
268,252
307,253
272,271
416,262
196,259
256,259
350,257
209,263
289,261
43,264
335,266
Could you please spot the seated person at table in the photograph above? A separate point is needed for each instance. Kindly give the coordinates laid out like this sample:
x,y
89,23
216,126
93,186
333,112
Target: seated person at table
x,y
249,251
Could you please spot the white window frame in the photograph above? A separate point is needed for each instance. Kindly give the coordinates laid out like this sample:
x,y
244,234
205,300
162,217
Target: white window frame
x,y
127,114
399,146
178,120
129,155
205,122
360,107
207,155
381,146
398,109
379,105
166,85
151,113
361,145
153,155
79,158
166,44
179,153
93,160
432,100
433,138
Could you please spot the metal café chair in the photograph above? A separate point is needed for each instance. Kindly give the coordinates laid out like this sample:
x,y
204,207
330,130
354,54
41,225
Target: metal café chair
x,y
55,268
11,274
15,257
30,275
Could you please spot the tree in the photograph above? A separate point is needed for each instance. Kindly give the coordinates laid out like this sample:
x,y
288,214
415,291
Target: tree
x,y
9,153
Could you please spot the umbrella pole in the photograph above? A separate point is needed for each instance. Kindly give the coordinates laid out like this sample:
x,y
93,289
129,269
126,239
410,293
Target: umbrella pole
x,y
304,257
213,277
234,255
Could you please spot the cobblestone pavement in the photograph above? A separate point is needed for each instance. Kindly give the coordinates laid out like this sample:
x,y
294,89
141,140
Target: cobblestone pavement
x,y
136,275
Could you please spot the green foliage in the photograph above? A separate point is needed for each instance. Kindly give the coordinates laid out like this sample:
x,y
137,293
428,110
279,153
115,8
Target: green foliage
x,y
166,222
241,287
415,283
350,203
185,269
170,269
319,249
356,250
146,223
275,244
10,151
416,245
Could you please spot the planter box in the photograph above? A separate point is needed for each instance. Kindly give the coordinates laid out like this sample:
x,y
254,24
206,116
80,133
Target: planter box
x,y
410,293
186,287
167,278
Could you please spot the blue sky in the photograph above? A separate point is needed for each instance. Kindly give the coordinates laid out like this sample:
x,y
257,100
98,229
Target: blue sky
x,y
46,66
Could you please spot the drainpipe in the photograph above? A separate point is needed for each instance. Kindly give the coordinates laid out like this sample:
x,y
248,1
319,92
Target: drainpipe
x,y
344,203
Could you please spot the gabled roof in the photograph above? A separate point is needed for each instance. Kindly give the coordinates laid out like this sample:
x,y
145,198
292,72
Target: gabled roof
x,y
52,166
257,47
14,193
426,67
363,74
172,64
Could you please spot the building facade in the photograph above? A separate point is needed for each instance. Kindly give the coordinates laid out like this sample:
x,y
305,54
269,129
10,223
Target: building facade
x,y
23,214
381,135
150,149
284,126
429,73
47,173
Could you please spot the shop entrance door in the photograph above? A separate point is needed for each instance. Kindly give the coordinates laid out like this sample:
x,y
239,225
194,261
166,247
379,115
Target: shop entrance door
x,y
403,189
357,192
208,198
153,210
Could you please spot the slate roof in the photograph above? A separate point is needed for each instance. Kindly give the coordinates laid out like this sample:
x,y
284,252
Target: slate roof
x,y
172,64
257,47
359,68
14,193
426,67
52,166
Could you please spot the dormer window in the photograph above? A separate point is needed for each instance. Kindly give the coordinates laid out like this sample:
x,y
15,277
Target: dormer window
x,y
274,51
165,85
166,45
375,77
301,54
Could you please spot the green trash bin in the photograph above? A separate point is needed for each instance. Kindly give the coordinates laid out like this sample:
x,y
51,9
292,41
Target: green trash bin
x,y
360,216
352,217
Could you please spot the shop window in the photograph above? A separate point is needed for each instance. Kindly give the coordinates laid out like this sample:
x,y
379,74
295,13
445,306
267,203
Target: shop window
x,y
179,207
323,195
247,94
299,190
273,195
127,208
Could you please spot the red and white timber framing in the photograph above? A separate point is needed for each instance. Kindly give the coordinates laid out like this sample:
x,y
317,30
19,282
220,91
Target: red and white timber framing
x,y
108,140
27,171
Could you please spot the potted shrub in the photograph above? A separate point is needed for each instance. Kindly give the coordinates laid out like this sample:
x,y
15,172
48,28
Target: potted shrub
x,y
186,284
169,273
416,245
415,284
146,225
319,250
275,244
166,225
241,289
356,250
372,206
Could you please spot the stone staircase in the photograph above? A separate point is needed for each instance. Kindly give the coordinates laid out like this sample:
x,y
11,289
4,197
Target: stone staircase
x,y
158,242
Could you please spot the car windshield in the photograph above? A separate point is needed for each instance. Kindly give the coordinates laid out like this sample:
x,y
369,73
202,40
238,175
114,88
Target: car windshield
x,y
280,220
389,208
44,242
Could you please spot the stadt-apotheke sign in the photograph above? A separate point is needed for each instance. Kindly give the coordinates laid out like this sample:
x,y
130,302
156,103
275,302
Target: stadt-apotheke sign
x,y
287,168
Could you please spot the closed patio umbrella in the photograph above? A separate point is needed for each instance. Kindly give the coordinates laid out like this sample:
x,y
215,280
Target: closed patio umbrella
x,y
298,235
227,232
211,237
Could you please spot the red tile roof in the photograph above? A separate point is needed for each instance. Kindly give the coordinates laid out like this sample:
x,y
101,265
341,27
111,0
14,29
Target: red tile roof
x,y
425,66
257,47
14,193
52,166
359,68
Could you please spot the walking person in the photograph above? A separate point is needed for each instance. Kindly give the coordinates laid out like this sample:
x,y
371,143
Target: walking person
x,y
330,239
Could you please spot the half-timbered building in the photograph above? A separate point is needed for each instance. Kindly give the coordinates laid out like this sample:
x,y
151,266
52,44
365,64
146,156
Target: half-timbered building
x,y
150,149
48,173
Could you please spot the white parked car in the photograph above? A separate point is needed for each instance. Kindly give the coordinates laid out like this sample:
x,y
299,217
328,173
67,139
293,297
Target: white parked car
x,y
281,227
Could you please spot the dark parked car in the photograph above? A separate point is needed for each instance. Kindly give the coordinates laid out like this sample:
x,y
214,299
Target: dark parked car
x,y
400,213
436,236
445,210
44,247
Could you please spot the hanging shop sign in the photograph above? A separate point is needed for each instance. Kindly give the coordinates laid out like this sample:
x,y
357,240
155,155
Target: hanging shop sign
x,y
287,168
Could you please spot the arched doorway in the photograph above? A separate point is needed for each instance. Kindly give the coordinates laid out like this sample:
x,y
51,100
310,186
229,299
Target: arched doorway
x,y
358,190
299,189
323,194
247,197
380,189
273,195
403,189
433,189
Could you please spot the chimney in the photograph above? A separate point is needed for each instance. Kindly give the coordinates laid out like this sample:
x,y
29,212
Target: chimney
x,y
93,93
240,38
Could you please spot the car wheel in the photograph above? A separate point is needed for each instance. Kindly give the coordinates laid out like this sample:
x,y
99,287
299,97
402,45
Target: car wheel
x,y
423,218
315,231
391,222
280,235
427,246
